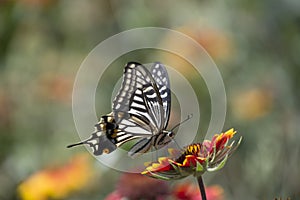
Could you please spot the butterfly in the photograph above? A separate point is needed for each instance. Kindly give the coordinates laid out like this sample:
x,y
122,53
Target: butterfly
x,y
141,109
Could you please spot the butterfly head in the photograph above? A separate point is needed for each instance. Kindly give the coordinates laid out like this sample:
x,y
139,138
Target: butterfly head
x,y
170,134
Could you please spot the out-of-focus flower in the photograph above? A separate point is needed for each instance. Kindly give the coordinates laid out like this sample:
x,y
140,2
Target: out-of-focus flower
x,y
114,196
196,158
252,104
55,87
136,186
216,42
188,191
57,183
215,192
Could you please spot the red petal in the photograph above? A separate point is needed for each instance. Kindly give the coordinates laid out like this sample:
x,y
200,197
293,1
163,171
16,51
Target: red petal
x,y
190,160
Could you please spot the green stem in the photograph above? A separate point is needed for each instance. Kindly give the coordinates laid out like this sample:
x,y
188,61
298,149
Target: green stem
x,y
201,187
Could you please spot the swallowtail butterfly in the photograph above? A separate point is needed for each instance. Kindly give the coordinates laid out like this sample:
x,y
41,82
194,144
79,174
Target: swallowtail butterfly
x,y
141,109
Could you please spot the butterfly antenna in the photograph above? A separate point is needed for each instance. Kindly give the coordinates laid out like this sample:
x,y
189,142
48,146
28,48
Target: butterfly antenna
x,y
177,125
188,118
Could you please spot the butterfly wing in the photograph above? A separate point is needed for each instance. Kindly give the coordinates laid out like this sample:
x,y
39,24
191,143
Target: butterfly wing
x,y
101,141
135,76
138,106
161,77
157,98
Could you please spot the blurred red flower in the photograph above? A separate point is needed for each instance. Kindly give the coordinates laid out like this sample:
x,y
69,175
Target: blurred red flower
x,y
188,191
114,196
135,187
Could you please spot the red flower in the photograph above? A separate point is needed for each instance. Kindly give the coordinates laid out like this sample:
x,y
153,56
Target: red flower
x,y
195,159
114,196
135,187
188,191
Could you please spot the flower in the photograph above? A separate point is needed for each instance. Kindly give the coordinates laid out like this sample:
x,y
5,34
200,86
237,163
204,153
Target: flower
x,y
135,186
253,103
56,183
189,191
115,195
218,44
215,41
195,159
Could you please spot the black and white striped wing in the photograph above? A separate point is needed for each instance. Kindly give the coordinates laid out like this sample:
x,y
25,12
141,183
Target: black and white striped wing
x,y
161,79
160,76
134,123
138,108
135,76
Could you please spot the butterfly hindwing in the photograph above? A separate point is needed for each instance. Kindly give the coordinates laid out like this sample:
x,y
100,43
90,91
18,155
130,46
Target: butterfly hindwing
x,y
100,144
101,141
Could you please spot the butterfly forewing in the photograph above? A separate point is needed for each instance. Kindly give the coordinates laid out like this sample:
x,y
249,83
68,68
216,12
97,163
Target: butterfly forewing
x,y
135,76
150,104
138,107
154,107
160,76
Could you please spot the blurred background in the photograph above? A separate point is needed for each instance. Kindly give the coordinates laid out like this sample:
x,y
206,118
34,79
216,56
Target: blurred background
x,y
255,44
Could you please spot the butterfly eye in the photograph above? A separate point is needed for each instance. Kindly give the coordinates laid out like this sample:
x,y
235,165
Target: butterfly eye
x,y
106,151
171,134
